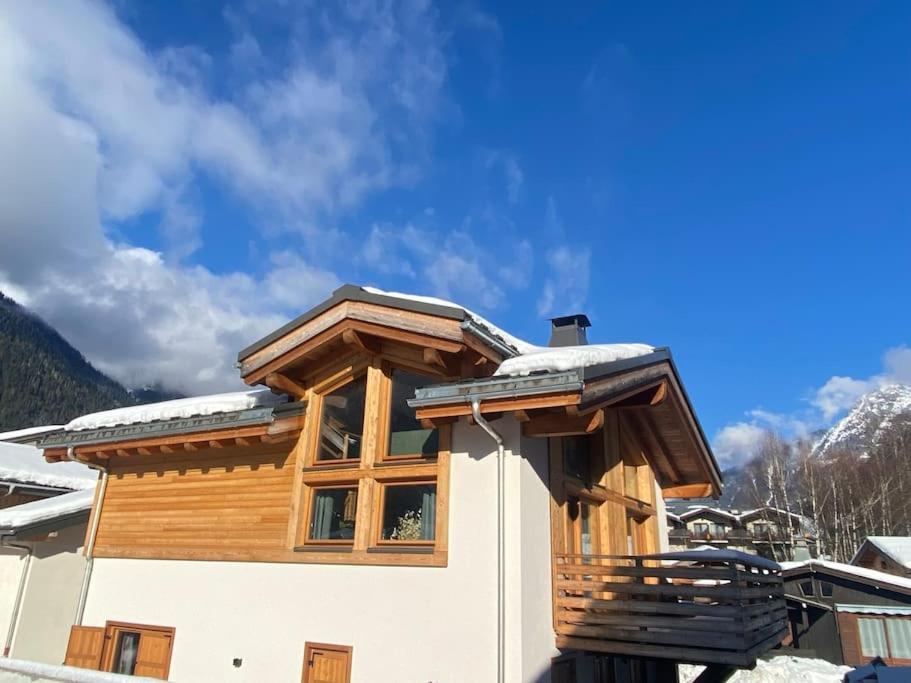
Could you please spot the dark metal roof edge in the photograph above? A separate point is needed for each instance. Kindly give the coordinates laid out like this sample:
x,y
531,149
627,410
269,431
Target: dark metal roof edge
x,y
813,567
34,486
495,387
29,439
180,425
350,292
45,525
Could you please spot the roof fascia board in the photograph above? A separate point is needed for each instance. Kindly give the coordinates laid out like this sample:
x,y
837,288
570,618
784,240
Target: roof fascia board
x,y
349,292
26,531
494,388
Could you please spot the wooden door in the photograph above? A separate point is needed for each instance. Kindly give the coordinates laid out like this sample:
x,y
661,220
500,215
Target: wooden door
x,y
326,663
154,655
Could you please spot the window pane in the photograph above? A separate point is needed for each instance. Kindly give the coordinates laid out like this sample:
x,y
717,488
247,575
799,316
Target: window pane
x,y
806,588
409,513
577,457
900,637
332,514
343,422
125,655
872,638
406,436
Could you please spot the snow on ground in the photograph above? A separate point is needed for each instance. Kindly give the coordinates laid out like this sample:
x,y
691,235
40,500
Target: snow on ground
x,y
19,516
178,408
28,431
21,670
564,358
26,464
869,574
779,670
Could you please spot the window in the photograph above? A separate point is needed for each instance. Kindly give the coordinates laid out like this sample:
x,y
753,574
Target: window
x,y
899,631
700,530
125,652
407,438
384,496
872,638
761,529
577,457
333,515
825,589
409,513
717,530
342,422
806,589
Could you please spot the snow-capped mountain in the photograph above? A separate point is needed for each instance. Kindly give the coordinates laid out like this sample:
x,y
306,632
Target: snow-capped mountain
x,y
870,418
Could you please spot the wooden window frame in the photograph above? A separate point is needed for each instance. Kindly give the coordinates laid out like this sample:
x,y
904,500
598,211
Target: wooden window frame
x,y
308,649
312,492
371,474
889,659
112,629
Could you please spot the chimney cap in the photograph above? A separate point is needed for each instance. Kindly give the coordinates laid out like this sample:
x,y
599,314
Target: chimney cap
x,y
578,319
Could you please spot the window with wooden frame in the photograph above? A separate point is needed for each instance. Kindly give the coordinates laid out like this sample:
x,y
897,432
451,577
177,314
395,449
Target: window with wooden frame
x,y
384,500
886,637
123,648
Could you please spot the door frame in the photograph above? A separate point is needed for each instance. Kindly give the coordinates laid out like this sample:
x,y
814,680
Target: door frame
x,y
113,628
309,647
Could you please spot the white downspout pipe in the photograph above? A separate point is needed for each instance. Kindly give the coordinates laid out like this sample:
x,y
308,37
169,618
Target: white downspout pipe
x,y
90,546
501,540
20,591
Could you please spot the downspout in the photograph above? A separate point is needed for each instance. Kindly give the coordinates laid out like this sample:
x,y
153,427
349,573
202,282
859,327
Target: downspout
x,y
90,546
501,540
20,591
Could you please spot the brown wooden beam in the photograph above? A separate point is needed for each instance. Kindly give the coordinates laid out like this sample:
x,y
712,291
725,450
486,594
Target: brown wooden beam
x,y
362,342
688,491
285,384
500,405
562,424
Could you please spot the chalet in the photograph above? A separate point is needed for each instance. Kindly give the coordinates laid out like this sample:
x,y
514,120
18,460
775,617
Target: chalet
x,y
766,531
413,495
848,614
890,554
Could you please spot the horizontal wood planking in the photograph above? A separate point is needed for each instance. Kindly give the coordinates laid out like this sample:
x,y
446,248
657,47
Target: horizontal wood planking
x,y
188,501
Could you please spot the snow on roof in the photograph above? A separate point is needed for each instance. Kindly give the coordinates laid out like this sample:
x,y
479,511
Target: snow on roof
x,y
562,358
46,509
870,575
519,345
26,465
695,512
777,670
29,431
179,408
896,547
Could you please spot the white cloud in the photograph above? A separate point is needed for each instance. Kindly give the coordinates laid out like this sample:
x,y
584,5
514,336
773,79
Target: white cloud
x,y
735,444
566,285
513,175
97,129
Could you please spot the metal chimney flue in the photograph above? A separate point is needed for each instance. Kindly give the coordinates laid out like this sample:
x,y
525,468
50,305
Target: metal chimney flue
x,y
569,330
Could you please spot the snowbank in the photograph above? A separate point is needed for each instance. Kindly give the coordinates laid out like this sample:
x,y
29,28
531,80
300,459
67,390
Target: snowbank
x,y
16,670
546,359
178,408
26,514
26,464
861,572
29,431
778,670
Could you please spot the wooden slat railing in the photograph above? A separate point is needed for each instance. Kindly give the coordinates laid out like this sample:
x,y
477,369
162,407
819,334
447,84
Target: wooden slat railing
x,y
728,608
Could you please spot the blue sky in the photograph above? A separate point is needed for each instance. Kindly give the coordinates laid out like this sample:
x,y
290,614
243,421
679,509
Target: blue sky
x,y
729,180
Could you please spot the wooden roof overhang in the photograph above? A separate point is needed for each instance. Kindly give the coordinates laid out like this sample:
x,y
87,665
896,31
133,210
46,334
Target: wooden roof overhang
x,y
438,340
224,430
645,391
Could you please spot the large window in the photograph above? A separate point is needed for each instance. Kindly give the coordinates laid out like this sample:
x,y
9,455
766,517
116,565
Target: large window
x,y
342,422
373,479
409,513
887,637
408,439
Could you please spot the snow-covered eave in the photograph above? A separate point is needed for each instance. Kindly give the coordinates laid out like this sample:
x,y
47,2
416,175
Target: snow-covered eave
x,y
872,577
882,548
48,514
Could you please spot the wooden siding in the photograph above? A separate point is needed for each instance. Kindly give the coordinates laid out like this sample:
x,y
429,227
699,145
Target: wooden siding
x,y
223,503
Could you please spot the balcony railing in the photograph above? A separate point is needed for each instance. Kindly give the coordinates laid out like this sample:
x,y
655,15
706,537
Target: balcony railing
x,y
707,607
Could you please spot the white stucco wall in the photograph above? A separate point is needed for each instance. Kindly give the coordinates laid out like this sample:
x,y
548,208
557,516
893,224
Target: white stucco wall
x,y
11,565
51,593
417,624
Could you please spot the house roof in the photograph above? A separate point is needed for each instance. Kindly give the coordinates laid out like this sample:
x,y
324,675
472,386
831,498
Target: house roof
x,y
707,510
47,513
847,571
29,434
897,548
25,465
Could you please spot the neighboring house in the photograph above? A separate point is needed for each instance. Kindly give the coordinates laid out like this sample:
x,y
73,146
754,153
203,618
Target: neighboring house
x,y
769,532
41,571
420,497
847,614
890,554
25,475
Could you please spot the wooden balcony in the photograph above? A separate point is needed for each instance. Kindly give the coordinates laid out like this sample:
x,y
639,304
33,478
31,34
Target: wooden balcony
x,y
706,607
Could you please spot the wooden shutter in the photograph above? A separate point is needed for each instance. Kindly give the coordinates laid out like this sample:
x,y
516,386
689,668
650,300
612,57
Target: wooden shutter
x,y
327,663
85,647
154,656
850,639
